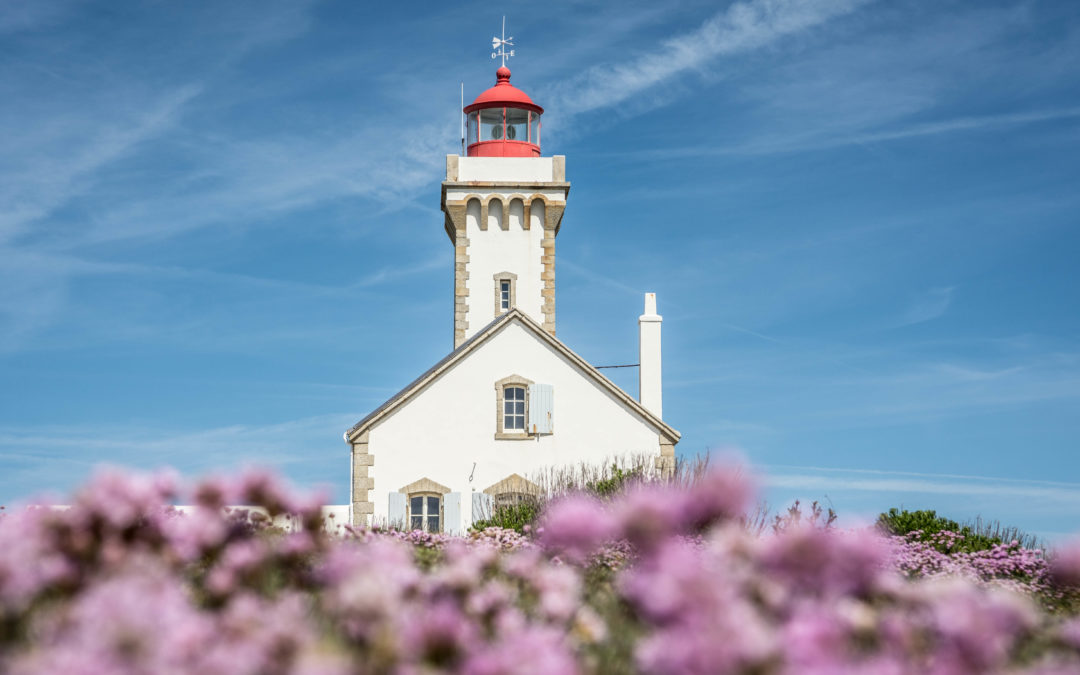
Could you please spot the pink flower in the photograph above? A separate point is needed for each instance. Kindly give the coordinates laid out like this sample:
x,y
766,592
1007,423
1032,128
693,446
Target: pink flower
x,y
722,493
532,651
648,514
577,526
1065,565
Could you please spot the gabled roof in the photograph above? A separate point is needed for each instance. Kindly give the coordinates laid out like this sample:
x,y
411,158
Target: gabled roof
x,y
477,340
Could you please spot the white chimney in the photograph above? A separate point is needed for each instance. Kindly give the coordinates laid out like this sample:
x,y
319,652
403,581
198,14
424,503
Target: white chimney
x,y
649,378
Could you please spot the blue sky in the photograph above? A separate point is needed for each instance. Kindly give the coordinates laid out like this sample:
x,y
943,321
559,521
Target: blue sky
x,y
220,237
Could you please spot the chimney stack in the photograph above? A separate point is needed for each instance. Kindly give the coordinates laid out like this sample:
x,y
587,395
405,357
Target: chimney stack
x,y
649,378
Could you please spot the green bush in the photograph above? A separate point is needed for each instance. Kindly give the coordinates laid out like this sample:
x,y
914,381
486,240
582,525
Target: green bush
x,y
616,482
929,523
512,516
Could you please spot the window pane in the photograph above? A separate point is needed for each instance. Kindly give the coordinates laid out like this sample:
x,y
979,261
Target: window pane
x,y
433,523
433,506
517,422
534,128
473,129
416,505
417,522
491,124
508,407
517,124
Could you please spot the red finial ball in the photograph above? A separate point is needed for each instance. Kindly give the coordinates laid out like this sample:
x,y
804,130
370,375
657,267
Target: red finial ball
x,y
502,75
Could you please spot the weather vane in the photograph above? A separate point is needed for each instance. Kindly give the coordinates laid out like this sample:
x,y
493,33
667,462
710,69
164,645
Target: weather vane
x,y
501,43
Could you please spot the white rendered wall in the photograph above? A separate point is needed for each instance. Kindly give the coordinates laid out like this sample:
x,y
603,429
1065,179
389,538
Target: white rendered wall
x,y
495,250
452,423
517,250
507,169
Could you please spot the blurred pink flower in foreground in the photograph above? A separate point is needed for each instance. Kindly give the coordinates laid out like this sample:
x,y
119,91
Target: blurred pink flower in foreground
x,y
658,579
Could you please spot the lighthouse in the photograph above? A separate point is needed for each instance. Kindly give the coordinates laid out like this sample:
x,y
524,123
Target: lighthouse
x,y
510,398
504,203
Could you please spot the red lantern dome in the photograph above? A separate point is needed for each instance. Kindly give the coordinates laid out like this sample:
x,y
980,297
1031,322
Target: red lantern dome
x,y
503,121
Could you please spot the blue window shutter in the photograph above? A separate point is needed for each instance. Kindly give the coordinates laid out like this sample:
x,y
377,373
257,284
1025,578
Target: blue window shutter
x,y
541,409
452,513
396,512
482,506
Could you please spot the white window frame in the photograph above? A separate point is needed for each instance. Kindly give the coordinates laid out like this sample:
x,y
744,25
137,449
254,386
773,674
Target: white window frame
x,y
514,418
504,295
501,432
510,279
425,487
425,516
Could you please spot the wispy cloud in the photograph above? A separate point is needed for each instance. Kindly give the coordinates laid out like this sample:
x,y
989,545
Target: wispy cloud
x,y
818,479
802,142
742,27
56,458
20,16
99,129
44,181
37,288
972,123
591,274
931,305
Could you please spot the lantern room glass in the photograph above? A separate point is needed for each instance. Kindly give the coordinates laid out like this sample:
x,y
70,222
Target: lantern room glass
x,y
517,124
491,124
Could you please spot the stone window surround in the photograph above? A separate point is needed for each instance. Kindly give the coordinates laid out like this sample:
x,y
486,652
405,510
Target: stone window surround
x,y
500,277
425,487
500,387
513,489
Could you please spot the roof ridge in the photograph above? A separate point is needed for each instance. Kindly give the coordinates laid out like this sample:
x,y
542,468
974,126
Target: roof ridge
x,y
483,334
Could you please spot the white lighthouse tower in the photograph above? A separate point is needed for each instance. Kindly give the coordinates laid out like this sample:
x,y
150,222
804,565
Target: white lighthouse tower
x,y
504,203
510,398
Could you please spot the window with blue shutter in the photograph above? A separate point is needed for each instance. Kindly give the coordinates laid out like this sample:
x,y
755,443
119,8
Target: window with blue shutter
x,y
452,512
541,409
482,506
396,510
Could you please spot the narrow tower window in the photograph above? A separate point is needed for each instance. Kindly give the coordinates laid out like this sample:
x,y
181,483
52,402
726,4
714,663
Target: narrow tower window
x,y
505,299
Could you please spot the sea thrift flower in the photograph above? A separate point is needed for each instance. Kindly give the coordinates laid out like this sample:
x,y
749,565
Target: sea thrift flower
x,y
648,514
666,579
1065,565
576,526
722,493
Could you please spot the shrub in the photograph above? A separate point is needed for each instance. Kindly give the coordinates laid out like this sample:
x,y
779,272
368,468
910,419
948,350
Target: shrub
x,y
519,516
926,526
615,482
